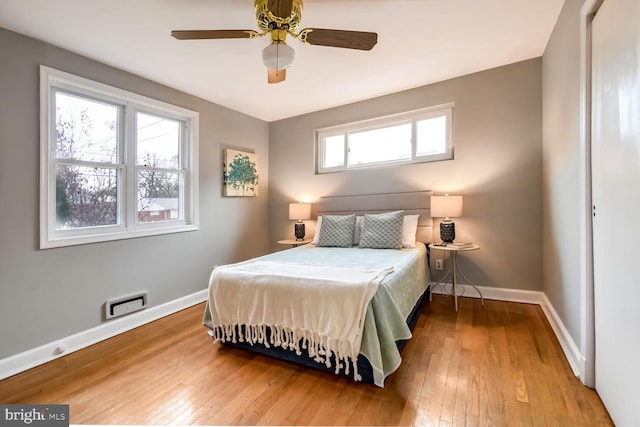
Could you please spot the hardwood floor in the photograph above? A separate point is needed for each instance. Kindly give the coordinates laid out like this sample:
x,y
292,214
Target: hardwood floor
x,y
499,365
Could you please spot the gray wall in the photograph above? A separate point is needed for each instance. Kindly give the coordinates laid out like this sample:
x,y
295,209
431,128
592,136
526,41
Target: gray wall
x,y
49,294
561,167
497,167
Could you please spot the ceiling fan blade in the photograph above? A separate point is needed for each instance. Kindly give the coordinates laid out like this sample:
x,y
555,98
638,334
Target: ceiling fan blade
x,y
276,76
280,8
339,38
212,34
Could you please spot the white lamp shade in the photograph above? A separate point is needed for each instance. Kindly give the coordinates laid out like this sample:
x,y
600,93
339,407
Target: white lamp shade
x,y
298,211
278,56
446,206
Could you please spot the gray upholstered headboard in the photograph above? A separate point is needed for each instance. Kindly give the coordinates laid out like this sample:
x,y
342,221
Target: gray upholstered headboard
x,y
413,202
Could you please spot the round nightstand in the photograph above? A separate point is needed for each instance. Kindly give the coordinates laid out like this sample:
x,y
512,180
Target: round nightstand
x,y
454,269
294,242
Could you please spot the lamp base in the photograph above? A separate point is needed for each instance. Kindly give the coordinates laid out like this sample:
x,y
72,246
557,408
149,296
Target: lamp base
x,y
447,231
299,230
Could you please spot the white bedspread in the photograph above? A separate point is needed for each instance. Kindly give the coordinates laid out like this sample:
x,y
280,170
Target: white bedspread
x,y
323,306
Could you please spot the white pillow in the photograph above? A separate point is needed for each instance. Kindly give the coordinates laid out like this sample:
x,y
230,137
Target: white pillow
x,y
316,236
358,230
409,228
356,233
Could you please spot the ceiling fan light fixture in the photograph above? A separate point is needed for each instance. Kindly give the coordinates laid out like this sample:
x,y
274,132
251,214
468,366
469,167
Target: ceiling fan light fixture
x,y
279,19
278,56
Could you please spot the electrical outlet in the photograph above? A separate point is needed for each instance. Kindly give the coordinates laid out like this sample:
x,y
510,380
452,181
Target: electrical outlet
x,y
439,264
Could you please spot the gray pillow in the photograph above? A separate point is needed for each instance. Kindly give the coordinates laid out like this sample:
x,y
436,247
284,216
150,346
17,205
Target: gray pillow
x,y
382,231
337,230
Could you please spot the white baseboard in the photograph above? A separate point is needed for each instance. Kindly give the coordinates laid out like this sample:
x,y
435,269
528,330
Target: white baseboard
x,y
569,347
499,294
47,352
571,350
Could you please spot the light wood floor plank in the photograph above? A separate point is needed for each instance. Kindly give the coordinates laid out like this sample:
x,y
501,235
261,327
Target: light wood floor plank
x,y
493,365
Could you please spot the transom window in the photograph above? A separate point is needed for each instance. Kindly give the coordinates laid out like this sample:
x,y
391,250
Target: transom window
x,y
413,137
114,164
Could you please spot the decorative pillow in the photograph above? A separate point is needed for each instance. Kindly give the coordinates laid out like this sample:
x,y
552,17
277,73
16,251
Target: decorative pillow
x,y
409,228
382,231
356,232
337,230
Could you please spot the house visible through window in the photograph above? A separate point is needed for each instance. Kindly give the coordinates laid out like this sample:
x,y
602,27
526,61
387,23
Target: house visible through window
x,y
413,137
114,164
158,165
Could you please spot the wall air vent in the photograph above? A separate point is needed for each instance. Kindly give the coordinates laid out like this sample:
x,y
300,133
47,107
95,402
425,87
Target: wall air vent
x,y
125,305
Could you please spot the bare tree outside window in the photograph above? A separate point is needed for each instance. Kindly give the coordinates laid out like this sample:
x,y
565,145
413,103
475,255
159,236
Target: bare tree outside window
x,y
86,162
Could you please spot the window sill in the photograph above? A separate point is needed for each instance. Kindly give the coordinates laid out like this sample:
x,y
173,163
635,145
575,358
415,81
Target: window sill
x,y
57,242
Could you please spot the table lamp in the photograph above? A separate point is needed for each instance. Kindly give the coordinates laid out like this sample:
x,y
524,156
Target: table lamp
x,y
446,207
299,211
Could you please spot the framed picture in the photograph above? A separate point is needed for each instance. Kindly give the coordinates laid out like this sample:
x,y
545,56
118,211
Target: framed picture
x,y
240,173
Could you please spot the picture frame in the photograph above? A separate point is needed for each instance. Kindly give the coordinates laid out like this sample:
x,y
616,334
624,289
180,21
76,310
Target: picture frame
x,y
240,173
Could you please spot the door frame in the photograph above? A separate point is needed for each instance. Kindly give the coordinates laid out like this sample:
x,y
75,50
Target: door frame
x,y
587,320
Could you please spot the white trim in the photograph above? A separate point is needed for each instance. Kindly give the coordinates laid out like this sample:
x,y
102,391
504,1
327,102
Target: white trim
x,y
499,294
31,358
571,350
405,118
48,352
587,321
129,104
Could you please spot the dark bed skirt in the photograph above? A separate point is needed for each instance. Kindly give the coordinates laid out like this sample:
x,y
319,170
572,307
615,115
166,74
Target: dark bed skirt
x,y
364,367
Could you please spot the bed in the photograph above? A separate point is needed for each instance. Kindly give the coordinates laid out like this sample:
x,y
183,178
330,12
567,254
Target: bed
x,y
344,309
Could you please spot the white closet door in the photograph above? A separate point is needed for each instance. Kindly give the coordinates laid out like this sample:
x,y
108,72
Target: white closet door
x,y
616,198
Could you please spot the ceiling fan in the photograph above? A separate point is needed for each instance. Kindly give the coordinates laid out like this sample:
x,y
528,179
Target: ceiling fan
x,y
279,18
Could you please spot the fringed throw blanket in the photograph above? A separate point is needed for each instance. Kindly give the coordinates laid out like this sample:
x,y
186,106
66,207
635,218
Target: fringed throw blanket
x,y
319,309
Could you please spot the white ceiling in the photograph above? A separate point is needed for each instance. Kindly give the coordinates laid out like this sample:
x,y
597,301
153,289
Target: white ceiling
x,y
419,42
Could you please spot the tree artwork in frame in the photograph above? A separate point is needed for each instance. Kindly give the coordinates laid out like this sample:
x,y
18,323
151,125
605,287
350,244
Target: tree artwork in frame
x,y
240,173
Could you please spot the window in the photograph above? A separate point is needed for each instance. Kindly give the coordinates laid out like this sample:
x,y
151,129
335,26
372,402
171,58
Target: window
x,y
414,137
114,164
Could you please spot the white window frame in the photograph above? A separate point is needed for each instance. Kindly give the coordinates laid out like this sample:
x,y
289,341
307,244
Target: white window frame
x,y
52,80
412,117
